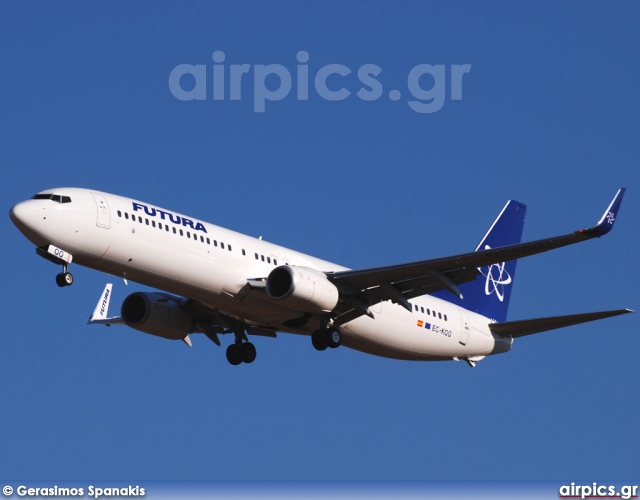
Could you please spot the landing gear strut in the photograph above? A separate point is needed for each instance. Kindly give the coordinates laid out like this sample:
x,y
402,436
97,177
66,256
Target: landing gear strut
x,y
321,339
241,352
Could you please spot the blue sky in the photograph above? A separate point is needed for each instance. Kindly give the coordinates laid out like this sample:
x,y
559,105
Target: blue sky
x,y
548,116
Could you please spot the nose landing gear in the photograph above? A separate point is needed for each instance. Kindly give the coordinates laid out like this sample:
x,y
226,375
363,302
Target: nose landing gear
x,y
65,278
59,257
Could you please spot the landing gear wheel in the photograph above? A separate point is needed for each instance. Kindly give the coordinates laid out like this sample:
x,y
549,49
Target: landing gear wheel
x,y
64,279
319,340
333,338
248,351
234,356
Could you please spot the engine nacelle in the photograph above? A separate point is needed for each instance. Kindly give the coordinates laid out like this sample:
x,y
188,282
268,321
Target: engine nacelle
x,y
302,289
157,314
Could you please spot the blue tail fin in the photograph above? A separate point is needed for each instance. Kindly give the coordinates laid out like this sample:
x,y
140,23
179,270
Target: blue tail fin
x,y
489,293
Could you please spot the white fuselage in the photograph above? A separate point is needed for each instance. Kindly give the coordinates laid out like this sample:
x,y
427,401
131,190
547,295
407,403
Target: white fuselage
x,y
211,265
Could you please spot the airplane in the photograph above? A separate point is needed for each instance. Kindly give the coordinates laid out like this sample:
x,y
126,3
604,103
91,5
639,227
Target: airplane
x,y
216,281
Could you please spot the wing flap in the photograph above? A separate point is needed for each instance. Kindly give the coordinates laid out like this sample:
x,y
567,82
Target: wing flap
x,y
521,328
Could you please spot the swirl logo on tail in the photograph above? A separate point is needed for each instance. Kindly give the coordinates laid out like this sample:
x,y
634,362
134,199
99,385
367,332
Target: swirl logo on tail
x,y
497,277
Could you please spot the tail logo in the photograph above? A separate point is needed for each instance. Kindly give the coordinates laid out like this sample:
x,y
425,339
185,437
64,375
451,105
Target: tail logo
x,y
610,218
497,278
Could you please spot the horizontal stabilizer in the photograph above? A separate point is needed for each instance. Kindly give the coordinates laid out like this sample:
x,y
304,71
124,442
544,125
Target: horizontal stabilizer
x,y
530,326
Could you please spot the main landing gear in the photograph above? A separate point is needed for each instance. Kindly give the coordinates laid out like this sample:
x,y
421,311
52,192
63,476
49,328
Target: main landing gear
x,y
321,339
65,278
241,352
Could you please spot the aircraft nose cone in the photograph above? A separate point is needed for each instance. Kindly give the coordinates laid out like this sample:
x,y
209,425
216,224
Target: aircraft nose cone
x,y
24,216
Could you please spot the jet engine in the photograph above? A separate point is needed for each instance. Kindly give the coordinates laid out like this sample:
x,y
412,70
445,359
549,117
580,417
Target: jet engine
x,y
157,314
302,289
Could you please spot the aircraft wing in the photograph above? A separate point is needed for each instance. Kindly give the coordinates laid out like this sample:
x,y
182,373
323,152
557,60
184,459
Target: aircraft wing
x,y
208,321
362,288
530,326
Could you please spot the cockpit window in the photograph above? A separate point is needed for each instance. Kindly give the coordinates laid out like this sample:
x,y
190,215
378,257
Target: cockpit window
x,y
53,197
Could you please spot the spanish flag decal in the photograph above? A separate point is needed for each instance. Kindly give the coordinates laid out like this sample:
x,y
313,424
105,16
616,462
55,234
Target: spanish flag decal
x,y
420,323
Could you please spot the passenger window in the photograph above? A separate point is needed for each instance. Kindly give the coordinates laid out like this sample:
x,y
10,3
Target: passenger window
x,y
257,258
208,241
188,234
243,252
439,315
222,245
119,213
422,309
146,221
229,247
262,257
445,317
275,262
181,233
153,223
174,230
215,243
126,215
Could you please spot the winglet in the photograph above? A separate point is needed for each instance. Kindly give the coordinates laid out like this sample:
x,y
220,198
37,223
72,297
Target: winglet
x,y
101,311
605,224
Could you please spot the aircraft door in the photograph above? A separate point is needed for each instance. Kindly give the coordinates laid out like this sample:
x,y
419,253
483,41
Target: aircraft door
x,y
464,321
104,214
